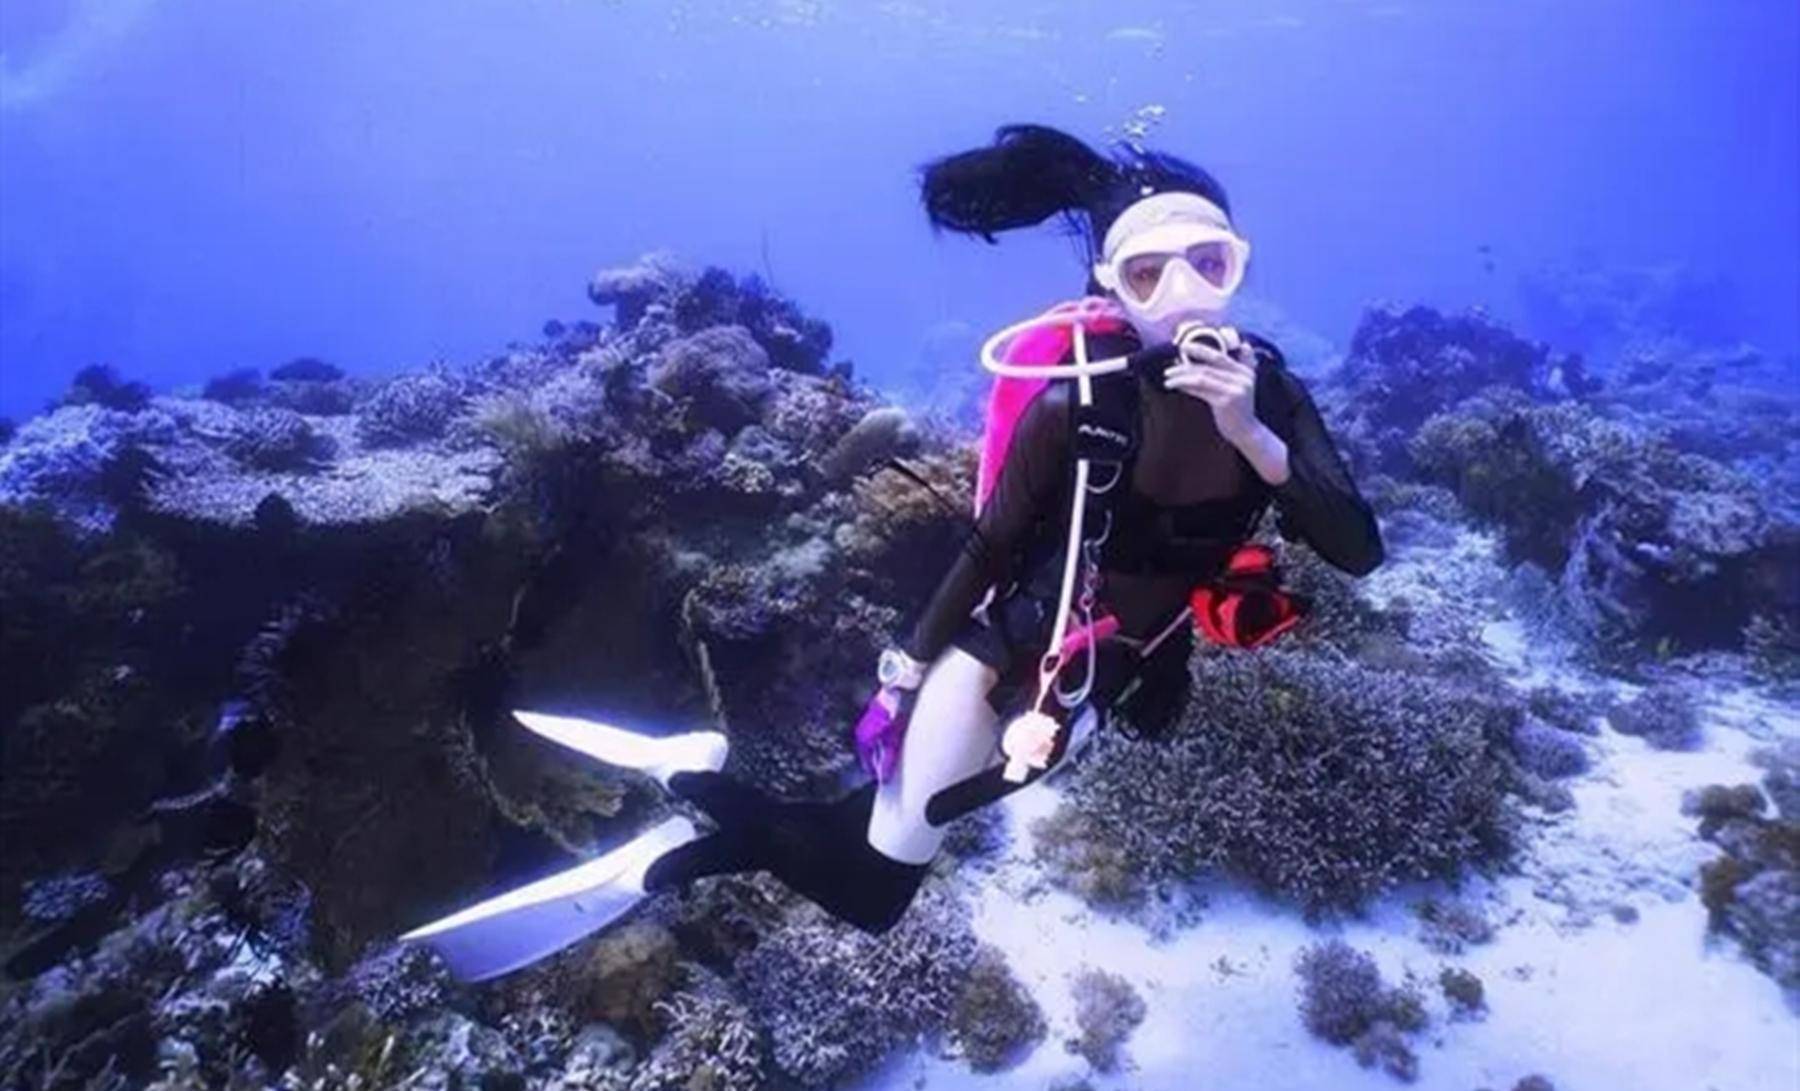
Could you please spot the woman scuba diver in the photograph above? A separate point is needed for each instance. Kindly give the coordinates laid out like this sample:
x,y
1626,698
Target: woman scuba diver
x,y
1133,445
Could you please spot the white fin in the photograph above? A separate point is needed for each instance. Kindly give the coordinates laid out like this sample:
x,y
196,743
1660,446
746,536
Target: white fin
x,y
521,926
660,756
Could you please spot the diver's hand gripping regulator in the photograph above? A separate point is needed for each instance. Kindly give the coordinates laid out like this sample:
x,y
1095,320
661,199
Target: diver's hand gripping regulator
x,y
1218,338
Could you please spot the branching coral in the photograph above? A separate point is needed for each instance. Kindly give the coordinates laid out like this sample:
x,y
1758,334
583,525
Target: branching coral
x,y
275,439
1344,1001
994,1019
836,1000
1464,990
713,1043
1752,891
1107,1010
409,409
1663,716
1311,775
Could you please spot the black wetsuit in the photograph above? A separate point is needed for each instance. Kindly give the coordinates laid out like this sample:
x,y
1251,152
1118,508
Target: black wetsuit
x,y
1192,500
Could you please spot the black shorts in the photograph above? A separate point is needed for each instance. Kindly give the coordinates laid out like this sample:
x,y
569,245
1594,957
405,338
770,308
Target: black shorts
x,y
1013,643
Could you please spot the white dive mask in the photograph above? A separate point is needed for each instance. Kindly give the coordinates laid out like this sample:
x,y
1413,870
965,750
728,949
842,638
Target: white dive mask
x,y
1172,259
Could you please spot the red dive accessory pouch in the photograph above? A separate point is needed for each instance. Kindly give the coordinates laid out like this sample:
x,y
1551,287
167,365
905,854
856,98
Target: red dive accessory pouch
x,y
1245,607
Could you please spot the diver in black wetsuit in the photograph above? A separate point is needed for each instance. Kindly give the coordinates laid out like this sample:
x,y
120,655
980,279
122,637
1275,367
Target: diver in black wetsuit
x,y
1216,437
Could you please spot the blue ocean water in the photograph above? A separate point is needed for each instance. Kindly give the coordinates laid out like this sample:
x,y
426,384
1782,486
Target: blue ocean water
x,y
188,188
515,723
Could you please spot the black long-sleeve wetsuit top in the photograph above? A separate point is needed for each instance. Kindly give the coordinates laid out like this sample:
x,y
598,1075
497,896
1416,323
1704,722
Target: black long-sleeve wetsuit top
x,y
1193,496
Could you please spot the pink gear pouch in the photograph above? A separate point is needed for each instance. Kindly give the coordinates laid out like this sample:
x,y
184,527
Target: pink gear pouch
x,y
879,734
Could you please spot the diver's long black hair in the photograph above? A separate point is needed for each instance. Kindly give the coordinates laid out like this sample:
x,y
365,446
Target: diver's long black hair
x,y
1033,172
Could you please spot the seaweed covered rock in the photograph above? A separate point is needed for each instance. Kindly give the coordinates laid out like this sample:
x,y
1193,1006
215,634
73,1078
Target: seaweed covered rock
x,y
903,530
1547,752
1782,777
1107,1010
995,1021
633,288
1464,991
277,440
409,409
320,399
183,982
626,973
721,373
1568,711
306,369
1663,716
100,384
657,289
1752,890
1648,542
1337,614
793,340
1773,643
397,983
1344,1001
744,621
1311,775
91,711
713,1043
836,1000
1088,859
1449,926
1406,364
84,462
880,435
239,387
311,386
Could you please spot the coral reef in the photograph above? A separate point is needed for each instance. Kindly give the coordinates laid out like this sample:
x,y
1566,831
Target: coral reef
x,y
1406,364
275,439
235,387
1075,846
1286,771
409,409
836,1000
994,1020
626,974
1649,542
881,434
1752,890
721,375
1547,752
1344,1001
100,384
306,369
713,1043
1568,711
1107,1010
1449,926
1656,541
1464,991
1663,716
261,645
658,289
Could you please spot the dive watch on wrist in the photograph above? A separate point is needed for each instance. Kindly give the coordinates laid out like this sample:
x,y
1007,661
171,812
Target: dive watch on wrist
x,y
896,668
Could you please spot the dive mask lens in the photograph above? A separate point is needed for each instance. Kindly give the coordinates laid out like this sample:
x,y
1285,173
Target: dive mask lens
x,y
1141,274
1213,260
